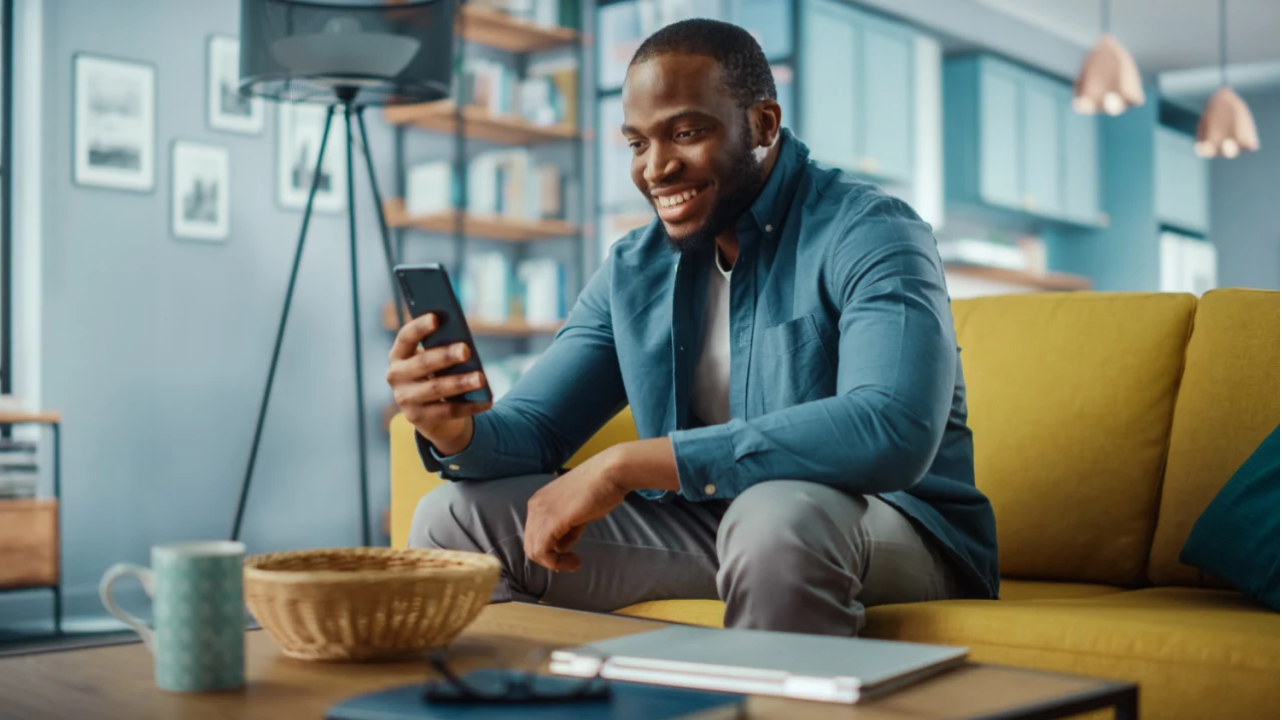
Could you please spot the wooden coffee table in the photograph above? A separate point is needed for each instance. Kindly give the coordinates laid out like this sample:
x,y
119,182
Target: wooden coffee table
x,y
116,682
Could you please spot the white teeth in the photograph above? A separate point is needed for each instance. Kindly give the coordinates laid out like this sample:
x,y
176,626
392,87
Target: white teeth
x,y
674,200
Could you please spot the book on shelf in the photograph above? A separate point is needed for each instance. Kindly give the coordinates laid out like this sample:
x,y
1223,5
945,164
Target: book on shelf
x,y
545,97
19,484
547,13
484,287
542,290
508,183
430,189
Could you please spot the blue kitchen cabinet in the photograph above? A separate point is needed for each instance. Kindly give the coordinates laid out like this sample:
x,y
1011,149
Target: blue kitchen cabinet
x,y
829,56
1041,143
1000,117
886,70
857,74
1182,183
1081,162
1012,141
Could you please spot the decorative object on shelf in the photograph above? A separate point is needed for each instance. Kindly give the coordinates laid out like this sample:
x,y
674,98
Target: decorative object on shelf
x,y
367,604
1109,81
229,109
200,176
115,123
298,142
343,57
1227,127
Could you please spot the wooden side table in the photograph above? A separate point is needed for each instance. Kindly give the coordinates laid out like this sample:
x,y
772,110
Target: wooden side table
x,y
33,516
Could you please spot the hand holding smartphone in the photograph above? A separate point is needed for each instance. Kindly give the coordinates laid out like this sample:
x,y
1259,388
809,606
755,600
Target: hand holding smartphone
x,y
434,371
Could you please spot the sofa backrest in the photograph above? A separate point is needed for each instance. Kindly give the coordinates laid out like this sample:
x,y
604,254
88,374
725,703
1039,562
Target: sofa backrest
x,y
1070,398
1227,404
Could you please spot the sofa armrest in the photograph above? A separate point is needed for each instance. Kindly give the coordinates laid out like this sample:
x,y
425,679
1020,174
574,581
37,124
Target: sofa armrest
x,y
411,481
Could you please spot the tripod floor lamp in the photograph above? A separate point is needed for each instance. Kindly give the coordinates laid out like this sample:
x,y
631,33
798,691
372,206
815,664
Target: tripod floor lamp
x,y
347,57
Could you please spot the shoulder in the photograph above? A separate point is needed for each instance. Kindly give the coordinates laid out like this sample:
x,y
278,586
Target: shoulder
x,y
865,226
641,250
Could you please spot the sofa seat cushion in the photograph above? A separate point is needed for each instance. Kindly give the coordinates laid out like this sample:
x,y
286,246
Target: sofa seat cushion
x,y
707,613
1194,652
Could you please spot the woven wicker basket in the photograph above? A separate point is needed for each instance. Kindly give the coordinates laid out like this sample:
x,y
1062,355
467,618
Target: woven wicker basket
x,y
367,604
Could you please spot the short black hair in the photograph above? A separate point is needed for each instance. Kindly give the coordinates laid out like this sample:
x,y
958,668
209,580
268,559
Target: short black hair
x,y
744,69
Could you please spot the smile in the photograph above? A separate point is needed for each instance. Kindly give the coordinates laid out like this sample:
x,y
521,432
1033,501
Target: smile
x,y
667,201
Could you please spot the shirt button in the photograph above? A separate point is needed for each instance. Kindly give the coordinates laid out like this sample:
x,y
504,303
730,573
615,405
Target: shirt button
x,y
709,489
454,467
769,228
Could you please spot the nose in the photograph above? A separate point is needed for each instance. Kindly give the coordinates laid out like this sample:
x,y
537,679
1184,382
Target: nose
x,y
660,164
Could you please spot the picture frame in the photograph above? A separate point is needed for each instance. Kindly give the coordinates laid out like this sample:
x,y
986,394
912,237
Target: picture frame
x,y
226,108
299,128
200,176
113,123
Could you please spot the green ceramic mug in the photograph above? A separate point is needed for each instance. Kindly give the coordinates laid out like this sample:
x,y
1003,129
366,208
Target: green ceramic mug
x,y
199,636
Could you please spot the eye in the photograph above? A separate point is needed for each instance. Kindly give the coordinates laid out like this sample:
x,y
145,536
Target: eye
x,y
690,133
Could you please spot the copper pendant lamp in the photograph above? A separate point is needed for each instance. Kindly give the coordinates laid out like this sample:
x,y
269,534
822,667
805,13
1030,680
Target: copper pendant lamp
x,y
1109,80
1226,127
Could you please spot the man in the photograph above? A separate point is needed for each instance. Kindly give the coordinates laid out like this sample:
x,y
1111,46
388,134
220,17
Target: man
x,y
783,335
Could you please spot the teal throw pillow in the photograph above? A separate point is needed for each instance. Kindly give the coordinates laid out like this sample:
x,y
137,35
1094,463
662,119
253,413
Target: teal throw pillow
x,y
1236,538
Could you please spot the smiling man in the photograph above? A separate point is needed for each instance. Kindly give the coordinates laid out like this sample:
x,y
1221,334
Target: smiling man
x,y
782,333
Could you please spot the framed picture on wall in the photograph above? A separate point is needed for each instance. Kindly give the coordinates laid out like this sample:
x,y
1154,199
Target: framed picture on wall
x,y
114,123
298,141
200,176
227,108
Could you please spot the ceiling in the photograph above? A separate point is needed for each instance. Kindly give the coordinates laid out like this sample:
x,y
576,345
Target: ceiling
x,y
1162,35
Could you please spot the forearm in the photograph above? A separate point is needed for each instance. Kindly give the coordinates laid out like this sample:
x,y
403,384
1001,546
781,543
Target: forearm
x,y
645,465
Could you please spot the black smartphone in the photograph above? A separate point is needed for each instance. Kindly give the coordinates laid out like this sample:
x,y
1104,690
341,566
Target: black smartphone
x,y
427,289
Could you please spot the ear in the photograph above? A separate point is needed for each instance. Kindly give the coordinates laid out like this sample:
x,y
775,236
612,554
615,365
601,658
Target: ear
x,y
766,118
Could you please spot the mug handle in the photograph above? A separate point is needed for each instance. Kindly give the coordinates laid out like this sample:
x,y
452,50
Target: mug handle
x,y
144,575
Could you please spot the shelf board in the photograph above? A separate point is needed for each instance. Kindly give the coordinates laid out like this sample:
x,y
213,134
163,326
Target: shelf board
x,y
1047,281
512,328
487,26
478,123
45,418
493,227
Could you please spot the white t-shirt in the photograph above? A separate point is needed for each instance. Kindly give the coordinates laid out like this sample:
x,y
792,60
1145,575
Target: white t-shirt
x,y
710,395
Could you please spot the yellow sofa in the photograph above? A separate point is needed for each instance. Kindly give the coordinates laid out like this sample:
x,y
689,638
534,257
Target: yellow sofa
x,y
1104,423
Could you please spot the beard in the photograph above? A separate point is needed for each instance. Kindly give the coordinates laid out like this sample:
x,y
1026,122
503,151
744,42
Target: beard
x,y
738,187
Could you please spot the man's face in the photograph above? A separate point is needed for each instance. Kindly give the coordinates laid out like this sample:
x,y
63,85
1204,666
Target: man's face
x,y
692,147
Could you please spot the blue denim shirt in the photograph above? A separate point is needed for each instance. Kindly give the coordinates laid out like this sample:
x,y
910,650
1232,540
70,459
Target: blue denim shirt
x,y
844,367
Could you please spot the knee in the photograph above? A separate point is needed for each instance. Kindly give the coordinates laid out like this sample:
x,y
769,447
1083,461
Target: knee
x,y
784,529
441,519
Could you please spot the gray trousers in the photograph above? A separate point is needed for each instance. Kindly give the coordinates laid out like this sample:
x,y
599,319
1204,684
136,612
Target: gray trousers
x,y
785,555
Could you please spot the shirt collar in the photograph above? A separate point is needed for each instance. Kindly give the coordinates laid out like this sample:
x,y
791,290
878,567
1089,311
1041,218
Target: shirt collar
x,y
770,207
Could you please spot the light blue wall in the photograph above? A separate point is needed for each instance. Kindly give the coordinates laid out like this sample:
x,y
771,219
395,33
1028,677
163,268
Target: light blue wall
x,y
1244,205
156,350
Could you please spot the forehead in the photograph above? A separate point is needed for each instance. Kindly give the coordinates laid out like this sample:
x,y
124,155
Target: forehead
x,y
674,80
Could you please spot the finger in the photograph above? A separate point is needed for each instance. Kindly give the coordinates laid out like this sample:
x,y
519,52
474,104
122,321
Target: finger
x,y
409,336
567,562
425,363
567,541
433,413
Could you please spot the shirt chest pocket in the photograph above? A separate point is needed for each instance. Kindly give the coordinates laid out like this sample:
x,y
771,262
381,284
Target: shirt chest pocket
x,y
795,367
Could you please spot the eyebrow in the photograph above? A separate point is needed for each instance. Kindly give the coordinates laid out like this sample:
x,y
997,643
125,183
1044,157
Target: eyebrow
x,y
674,117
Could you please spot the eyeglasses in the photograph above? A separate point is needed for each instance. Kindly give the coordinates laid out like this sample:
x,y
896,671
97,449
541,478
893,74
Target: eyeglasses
x,y
504,684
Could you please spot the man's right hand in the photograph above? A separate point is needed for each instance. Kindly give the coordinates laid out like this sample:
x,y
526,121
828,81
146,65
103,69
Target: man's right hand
x,y
420,391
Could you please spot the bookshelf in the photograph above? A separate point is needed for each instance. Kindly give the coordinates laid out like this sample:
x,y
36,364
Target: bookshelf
x,y
478,123
481,328
492,227
492,28
30,528
532,221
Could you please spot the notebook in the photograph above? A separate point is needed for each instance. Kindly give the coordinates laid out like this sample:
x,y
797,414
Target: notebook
x,y
805,667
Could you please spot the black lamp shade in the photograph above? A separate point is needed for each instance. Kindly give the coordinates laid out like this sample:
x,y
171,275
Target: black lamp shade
x,y
383,54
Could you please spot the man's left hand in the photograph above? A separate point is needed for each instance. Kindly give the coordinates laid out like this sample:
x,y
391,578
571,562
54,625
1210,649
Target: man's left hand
x,y
559,511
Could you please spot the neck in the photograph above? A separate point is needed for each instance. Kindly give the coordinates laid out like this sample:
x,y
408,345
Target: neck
x,y
727,241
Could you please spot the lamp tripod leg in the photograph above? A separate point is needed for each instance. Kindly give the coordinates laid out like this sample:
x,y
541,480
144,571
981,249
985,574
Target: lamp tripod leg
x,y
280,330
366,538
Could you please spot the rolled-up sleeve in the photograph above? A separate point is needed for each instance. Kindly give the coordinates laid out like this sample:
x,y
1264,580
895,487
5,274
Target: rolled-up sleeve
x,y
895,377
567,395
